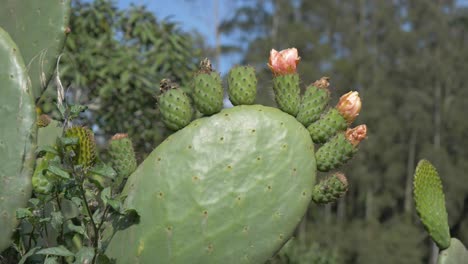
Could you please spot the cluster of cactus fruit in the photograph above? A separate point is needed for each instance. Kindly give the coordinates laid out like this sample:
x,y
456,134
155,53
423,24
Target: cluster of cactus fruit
x,y
430,205
237,181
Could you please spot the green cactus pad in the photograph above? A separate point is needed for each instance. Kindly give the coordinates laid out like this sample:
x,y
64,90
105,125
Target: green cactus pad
x,y
39,28
176,111
456,253
334,153
313,103
85,151
330,189
430,203
242,85
122,157
17,136
287,93
327,126
229,188
208,93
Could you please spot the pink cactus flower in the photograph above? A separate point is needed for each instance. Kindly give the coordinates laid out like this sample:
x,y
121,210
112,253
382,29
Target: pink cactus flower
x,y
356,135
283,62
349,106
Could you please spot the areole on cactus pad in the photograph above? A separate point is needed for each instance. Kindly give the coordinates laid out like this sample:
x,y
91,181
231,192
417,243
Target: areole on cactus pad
x,y
229,188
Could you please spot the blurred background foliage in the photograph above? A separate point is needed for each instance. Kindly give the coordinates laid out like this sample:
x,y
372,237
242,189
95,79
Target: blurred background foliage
x,y
407,58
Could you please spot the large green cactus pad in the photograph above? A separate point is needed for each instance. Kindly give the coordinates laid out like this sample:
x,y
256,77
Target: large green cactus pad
x,y
39,28
430,203
17,134
455,254
230,188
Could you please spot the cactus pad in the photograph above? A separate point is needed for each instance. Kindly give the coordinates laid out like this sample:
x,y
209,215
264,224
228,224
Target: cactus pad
x,y
430,203
334,153
327,126
85,151
287,93
314,101
17,136
39,28
229,188
455,254
176,111
242,85
208,92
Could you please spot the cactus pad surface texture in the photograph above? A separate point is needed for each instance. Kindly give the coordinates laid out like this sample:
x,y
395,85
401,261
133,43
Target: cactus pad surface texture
x,y
229,188
455,254
17,135
39,28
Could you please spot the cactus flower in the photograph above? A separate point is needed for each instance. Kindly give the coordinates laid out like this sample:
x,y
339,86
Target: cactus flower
x,y
356,135
349,106
283,62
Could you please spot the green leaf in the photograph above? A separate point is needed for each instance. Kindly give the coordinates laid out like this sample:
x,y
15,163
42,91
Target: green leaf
x,y
58,171
28,254
46,149
51,260
77,229
56,251
128,218
34,201
75,110
84,255
104,170
56,220
69,141
22,213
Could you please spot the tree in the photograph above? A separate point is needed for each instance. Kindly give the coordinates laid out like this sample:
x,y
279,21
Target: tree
x,y
113,62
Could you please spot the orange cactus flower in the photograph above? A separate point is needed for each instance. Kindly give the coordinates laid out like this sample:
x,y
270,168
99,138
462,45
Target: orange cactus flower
x,y
349,106
283,62
356,135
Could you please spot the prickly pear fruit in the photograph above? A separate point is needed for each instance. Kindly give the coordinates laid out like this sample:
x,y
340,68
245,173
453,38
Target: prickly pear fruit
x,y
207,89
340,148
314,101
122,157
174,105
287,93
327,126
85,150
242,85
430,203
330,189
17,136
237,183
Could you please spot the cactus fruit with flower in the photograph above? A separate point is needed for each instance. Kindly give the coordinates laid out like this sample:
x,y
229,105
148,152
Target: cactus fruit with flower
x,y
232,186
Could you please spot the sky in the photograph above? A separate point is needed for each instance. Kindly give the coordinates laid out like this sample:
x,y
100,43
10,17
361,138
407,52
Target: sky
x,y
192,15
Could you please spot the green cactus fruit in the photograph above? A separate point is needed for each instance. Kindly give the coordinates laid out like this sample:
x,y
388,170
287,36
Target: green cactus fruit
x,y
39,28
456,253
287,93
314,101
85,150
17,136
236,184
207,90
122,156
242,85
430,203
174,105
330,189
334,153
327,126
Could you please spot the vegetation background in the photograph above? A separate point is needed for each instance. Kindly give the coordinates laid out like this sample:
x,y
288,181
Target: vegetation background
x,y
407,58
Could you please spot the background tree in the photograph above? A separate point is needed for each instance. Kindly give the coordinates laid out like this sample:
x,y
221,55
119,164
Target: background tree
x,y
113,62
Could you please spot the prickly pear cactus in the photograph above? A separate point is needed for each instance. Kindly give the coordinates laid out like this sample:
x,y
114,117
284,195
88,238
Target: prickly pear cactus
x,y
430,203
39,29
232,187
455,254
17,136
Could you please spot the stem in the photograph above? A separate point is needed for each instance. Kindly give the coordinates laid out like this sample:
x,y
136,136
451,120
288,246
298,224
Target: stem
x,y
95,241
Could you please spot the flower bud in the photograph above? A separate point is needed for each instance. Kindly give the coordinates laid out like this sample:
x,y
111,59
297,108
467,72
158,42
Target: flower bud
x,y
349,106
356,135
283,62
